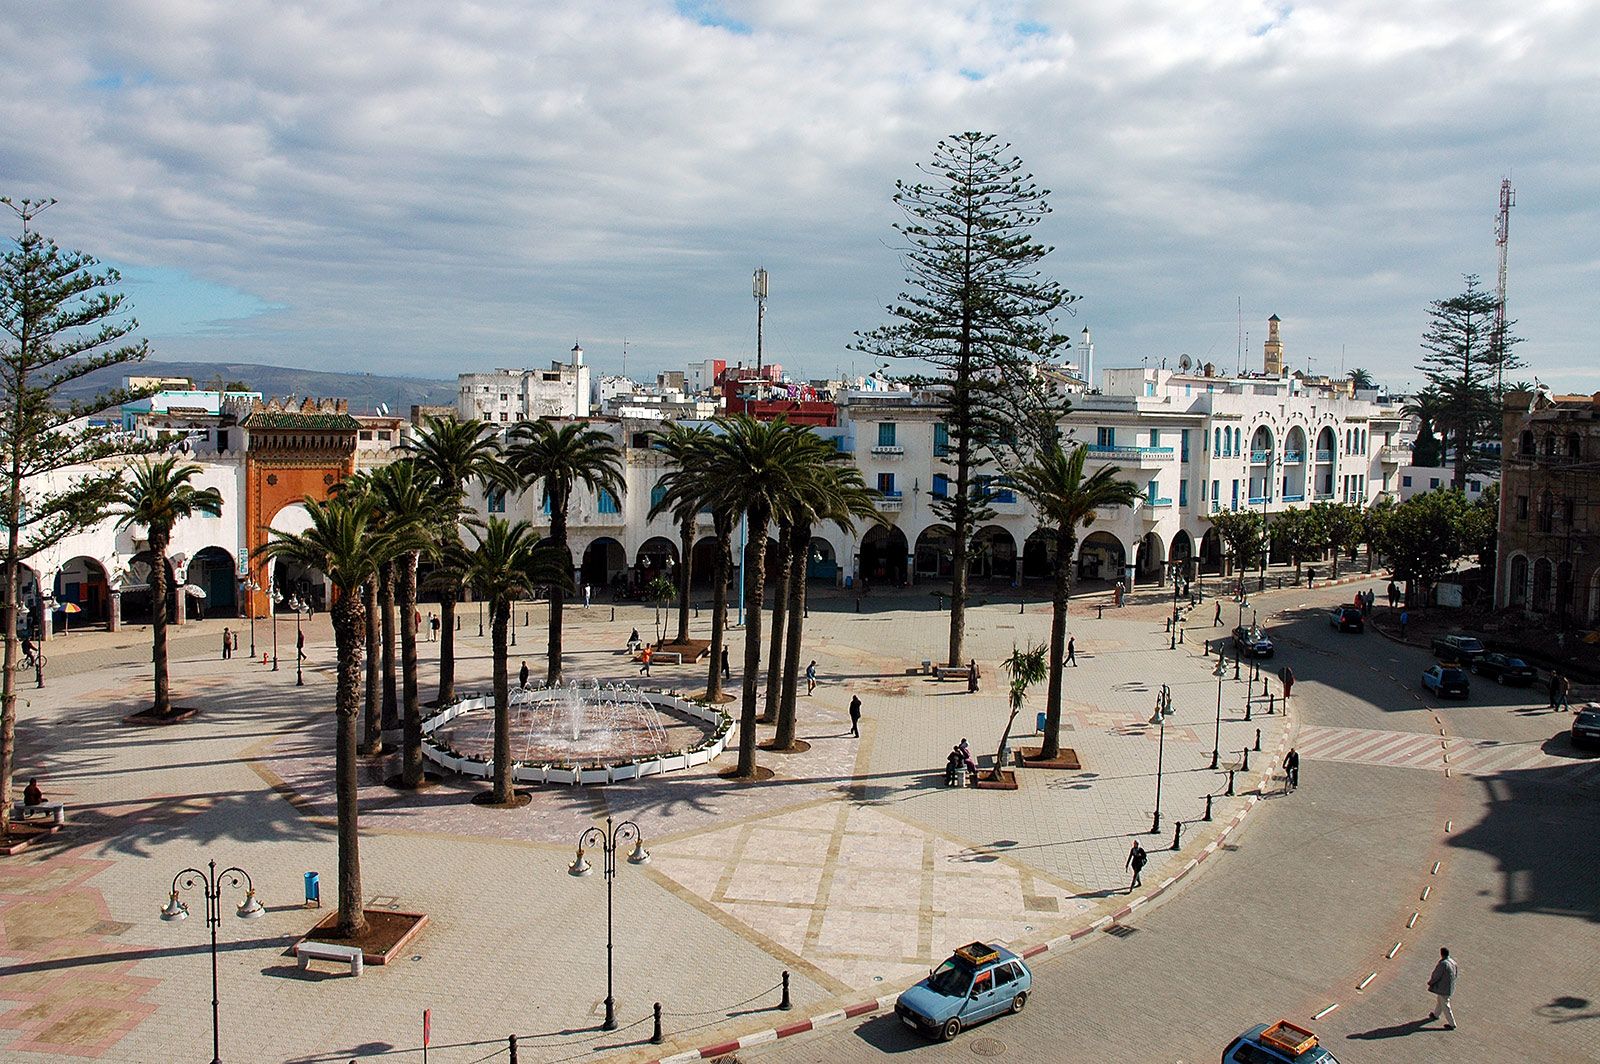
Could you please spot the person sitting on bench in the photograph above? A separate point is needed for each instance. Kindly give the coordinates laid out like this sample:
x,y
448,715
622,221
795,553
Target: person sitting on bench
x,y
633,641
32,795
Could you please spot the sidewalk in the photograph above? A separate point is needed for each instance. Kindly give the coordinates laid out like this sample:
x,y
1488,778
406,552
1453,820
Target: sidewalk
x,y
854,868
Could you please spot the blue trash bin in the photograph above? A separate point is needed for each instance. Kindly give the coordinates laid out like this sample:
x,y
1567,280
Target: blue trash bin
x,y
849,582
1039,725
313,890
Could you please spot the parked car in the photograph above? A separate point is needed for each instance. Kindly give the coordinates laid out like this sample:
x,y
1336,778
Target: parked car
x,y
1281,1043
1347,619
1463,649
1586,726
1252,642
1446,680
1502,668
977,982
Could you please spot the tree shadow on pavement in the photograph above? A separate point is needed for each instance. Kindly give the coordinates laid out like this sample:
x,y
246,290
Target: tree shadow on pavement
x,y
1398,1030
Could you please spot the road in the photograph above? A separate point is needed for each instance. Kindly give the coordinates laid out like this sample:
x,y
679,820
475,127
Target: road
x,y
1322,885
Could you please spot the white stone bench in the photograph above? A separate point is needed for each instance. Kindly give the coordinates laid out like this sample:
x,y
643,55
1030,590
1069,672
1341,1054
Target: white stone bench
x,y
661,657
329,951
948,672
56,811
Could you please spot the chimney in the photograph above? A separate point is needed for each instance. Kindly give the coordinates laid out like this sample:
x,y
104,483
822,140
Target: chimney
x,y
1273,349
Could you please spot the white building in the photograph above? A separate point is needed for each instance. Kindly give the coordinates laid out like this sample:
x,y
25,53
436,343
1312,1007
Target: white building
x,y
508,396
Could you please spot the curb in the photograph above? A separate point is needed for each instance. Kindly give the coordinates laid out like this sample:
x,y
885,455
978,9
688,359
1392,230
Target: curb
x,y
886,1002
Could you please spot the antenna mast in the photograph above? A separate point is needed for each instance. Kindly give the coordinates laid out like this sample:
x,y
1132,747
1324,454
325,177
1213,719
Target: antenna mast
x,y
758,288
1502,234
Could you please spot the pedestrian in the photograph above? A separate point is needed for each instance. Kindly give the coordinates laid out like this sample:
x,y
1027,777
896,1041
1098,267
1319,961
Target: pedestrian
x,y
31,794
1366,605
1136,859
227,644
967,759
586,591
300,644
1565,705
1405,619
1216,618
1072,651
952,767
811,677
1442,984
1311,576
1394,594
644,660
727,673
522,675
433,626
855,716
1291,770
1120,591
416,620
1286,674
972,677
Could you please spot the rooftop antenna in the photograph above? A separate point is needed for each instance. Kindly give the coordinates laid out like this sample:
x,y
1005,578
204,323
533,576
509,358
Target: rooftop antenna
x,y
1502,234
624,356
1239,355
758,288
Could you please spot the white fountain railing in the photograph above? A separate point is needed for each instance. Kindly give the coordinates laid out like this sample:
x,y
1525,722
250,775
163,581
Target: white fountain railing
x,y
591,773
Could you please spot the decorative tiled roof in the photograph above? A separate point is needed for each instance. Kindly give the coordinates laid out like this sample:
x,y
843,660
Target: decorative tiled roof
x,y
281,419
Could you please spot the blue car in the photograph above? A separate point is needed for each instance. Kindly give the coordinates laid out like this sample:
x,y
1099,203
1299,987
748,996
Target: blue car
x,y
977,982
1446,680
1279,1043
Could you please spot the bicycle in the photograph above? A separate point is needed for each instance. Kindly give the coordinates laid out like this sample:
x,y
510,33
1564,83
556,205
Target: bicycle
x,y
36,661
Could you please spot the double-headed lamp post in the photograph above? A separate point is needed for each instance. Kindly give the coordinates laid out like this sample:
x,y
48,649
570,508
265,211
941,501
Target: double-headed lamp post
x,y
250,589
300,609
211,883
274,597
1163,711
608,839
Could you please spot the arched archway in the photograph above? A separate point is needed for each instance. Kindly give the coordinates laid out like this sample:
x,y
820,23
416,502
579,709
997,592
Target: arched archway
x,y
822,562
704,557
81,582
1101,557
1517,584
1541,585
290,580
1180,555
604,564
994,554
936,549
658,554
883,556
1211,552
136,590
1039,554
1592,616
213,571
1150,559
1294,465
1322,467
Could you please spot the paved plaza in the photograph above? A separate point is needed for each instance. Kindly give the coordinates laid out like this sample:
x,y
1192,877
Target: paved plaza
x,y
854,868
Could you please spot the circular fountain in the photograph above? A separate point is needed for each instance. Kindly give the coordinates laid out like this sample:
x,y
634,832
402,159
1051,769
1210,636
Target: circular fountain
x,y
578,734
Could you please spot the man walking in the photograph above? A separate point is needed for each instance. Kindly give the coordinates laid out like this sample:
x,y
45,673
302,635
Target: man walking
x,y
1136,859
1565,703
1216,618
811,677
1555,688
433,626
644,660
227,644
1287,676
522,675
727,673
1072,652
585,595
300,645
1291,770
855,716
1405,618
1442,984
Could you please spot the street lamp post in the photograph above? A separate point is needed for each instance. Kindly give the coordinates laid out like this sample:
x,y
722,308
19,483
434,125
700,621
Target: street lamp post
x,y
608,839
1216,740
274,597
250,589
1163,711
299,640
211,883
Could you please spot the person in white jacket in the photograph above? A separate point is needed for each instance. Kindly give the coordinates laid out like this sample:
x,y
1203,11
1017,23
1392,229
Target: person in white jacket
x,y
1443,984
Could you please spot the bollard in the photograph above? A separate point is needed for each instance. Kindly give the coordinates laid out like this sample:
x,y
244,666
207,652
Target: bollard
x,y
513,1039
1246,765
785,1003
1100,613
513,635
1271,701
458,622
1264,686
1207,817
1235,666
858,603
1247,708
1180,636
1019,609
1177,833
1230,783
655,1038
1258,740
613,613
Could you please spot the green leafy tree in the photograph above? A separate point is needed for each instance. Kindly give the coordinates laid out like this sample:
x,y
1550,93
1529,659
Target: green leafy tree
x,y
1243,533
1340,526
157,495
61,319
1374,522
455,453
1423,540
661,592
344,542
1464,361
1298,534
977,309
1025,668
559,460
1067,500
1426,406
1480,528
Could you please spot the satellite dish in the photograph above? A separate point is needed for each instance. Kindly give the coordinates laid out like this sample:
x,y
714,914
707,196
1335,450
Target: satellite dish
x,y
383,409
1184,363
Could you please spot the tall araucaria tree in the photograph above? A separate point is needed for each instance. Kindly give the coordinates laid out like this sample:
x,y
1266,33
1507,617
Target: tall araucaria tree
x,y
60,320
558,460
345,543
979,311
1464,362
157,495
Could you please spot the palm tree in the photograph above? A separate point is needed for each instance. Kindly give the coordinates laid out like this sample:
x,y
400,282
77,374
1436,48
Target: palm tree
x,y
345,543
507,562
780,608
1361,380
402,494
1429,407
834,493
1026,668
356,485
561,459
681,498
158,496
454,453
761,467
1066,500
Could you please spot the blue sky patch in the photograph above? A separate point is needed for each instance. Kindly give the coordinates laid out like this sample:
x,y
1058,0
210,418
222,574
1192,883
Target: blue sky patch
x,y
171,302
708,13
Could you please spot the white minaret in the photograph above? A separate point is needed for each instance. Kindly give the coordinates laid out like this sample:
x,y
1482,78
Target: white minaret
x,y
1086,357
577,355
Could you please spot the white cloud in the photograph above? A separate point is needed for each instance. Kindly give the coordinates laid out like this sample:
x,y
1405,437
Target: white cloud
x,y
425,188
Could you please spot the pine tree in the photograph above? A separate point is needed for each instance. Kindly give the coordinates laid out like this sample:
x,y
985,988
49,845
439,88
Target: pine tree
x,y
977,309
1464,360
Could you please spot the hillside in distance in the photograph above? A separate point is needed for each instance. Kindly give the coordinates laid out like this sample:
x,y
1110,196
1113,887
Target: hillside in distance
x,y
364,390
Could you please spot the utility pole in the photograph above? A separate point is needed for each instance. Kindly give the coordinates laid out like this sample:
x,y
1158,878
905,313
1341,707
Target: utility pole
x,y
758,288
1502,234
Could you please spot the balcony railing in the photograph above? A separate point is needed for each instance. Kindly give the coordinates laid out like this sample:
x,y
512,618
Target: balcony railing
x,y
888,501
1294,456
888,450
1157,503
1392,455
1294,498
1324,456
1323,496
1260,456
1130,454
1259,500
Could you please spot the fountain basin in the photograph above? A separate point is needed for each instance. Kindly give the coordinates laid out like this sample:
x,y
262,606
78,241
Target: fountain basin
x,y
459,738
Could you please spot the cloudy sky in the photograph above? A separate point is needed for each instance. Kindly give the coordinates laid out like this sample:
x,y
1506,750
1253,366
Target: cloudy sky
x,y
426,188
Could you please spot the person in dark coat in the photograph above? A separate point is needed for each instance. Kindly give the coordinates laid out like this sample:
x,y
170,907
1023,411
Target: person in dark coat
x,y
1072,650
1291,769
522,675
227,643
855,715
1136,860
972,677
727,673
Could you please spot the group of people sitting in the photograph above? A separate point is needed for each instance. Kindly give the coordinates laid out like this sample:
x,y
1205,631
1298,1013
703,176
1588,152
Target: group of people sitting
x,y
959,759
